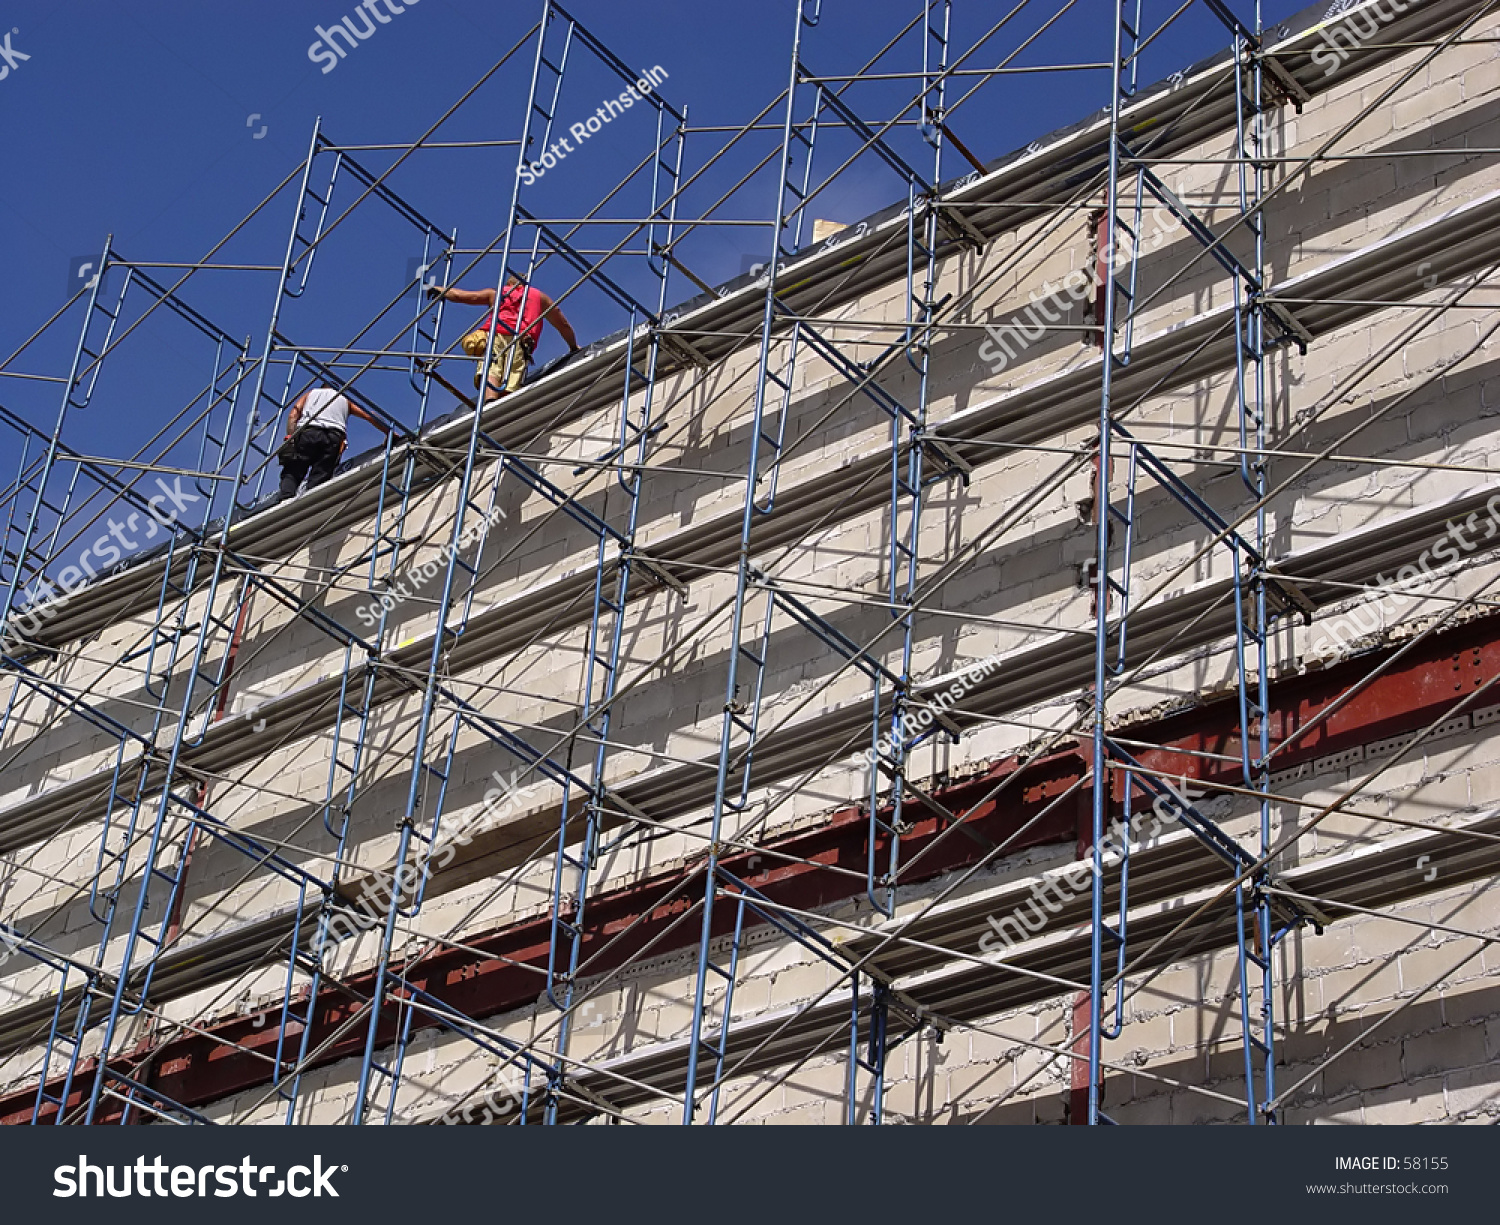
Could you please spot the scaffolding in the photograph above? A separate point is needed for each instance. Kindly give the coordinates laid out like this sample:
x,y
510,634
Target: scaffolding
x,y
106,1046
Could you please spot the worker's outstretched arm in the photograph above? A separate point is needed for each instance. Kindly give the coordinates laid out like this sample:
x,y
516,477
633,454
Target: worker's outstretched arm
x,y
464,297
356,411
552,313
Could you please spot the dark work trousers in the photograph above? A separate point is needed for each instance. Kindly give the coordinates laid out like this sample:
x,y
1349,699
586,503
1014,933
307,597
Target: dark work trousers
x,y
312,452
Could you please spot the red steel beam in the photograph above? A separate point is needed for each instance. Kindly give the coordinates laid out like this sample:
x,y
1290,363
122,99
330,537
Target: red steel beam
x,y
195,1070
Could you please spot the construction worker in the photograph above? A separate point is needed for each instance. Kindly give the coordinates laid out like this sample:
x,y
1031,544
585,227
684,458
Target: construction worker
x,y
517,325
316,433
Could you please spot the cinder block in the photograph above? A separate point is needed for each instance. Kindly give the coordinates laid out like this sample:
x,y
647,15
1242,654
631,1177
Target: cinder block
x,y
1050,1109
973,1082
1484,783
1442,1050
1346,1112
1474,1089
811,1114
1154,1110
1171,989
1445,98
1450,756
1457,61
1385,938
1463,1004
1440,796
1365,1067
799,984
1478,81
913,1100
1411,1102
991,1049
1422,966
829,1082
1195,1108
1372,982
749,1099
1035,1070
1477,910
1150,1034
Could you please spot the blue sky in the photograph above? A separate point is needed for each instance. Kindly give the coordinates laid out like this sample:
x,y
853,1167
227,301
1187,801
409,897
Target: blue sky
x,y
165,122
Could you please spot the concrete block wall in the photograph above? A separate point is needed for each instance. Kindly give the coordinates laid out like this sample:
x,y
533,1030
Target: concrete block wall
x,y
1178,1057
1021,590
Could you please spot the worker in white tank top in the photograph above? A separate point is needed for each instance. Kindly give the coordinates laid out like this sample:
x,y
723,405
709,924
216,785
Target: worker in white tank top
x,y
316,434
322,406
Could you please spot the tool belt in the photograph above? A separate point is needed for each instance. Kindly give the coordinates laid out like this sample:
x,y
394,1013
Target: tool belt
x,y
287,451
475,342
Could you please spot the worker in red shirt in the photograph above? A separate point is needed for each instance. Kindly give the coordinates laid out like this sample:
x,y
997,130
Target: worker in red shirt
x,y
517,323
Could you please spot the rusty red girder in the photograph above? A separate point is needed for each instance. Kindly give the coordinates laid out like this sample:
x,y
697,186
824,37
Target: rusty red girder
x,y
1412,692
